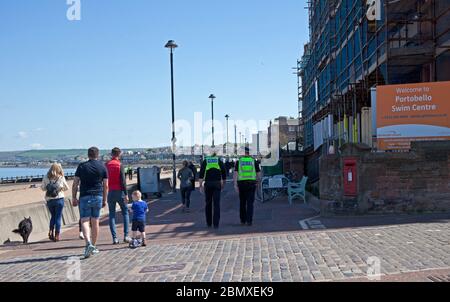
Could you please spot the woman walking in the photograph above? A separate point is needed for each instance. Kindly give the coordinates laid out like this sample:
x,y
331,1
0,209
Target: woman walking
x,y
194,171
186,177
54,184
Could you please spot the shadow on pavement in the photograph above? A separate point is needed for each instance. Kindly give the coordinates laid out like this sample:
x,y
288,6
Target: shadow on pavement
x,y
343,222
167,222
35,260
81,247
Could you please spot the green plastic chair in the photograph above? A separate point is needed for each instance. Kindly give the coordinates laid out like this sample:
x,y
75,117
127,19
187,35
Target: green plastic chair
x,y
297,190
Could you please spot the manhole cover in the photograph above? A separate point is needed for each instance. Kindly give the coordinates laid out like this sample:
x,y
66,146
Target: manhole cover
x,y
162,268
439,278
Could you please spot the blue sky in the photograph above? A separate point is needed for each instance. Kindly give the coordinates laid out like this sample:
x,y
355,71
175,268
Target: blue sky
x,y
105,80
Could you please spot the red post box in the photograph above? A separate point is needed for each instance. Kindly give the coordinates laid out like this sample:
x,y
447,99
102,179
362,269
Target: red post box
x,y
350,177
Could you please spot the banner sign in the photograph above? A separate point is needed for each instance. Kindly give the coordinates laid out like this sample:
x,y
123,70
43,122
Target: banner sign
x,y
412,112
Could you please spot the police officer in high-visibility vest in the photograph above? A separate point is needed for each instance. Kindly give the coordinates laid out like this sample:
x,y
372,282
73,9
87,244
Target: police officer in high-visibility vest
x,y
246,177
212,181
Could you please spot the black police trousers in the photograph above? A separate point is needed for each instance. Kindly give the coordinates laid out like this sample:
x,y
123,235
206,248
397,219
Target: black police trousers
x,y
212,198
247,199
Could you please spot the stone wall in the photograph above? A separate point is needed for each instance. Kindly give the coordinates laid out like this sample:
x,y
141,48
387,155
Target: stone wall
x,y
40,216
416,181
330,182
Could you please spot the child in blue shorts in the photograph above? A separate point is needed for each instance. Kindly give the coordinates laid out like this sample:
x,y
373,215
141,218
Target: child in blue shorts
x,y
140,210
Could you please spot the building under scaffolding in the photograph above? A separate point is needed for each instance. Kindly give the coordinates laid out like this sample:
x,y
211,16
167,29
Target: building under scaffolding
x,y
348,55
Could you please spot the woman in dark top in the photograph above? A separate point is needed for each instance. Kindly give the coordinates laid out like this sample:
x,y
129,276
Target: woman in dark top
x,y
194,171
186,177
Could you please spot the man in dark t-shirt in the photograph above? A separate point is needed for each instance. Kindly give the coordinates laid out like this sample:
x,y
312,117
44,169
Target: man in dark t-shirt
x,y
92,179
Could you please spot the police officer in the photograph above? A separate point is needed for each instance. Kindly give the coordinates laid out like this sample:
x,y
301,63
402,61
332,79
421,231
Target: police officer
x,y
213,176
246,177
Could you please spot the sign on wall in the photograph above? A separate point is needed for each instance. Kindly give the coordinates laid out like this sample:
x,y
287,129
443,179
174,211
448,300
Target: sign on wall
x,y
412,112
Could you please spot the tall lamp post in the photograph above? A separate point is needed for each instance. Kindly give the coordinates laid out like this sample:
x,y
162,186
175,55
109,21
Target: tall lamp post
x,y
226,144
172,45
212,97
235,139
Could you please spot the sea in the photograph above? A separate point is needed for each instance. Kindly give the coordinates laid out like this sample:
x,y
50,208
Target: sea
x,y
23,171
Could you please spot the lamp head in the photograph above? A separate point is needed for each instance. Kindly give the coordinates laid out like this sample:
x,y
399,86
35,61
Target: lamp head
x,y
171,44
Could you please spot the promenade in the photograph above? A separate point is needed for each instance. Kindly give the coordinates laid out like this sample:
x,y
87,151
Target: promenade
x,y
283,245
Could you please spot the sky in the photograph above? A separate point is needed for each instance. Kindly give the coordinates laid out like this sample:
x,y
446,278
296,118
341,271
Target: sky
x,y
104,80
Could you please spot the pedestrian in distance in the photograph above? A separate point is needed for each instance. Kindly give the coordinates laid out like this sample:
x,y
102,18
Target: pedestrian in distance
x,y
212,182
139,209
247,175
91,178
54,184
186,177
130,173
194,171
117,194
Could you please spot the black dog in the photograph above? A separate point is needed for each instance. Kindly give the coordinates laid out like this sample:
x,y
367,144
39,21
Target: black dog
x,y
25,229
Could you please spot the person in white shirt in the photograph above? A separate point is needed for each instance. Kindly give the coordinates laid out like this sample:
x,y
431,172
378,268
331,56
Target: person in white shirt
x,y
54,184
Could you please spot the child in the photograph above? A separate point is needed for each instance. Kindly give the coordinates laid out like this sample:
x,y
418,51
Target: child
x,y
139,209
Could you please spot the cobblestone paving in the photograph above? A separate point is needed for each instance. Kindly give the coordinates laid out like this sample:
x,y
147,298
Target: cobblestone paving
x,y
295,256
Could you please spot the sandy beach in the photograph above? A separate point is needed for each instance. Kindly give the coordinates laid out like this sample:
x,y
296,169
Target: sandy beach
x,y
20,194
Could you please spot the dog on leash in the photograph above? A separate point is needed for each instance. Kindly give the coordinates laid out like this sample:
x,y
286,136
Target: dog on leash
x,y
25,229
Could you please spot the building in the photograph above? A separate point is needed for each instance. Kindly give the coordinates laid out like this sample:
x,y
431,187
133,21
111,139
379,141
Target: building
x,y
287,130
354,48
259,144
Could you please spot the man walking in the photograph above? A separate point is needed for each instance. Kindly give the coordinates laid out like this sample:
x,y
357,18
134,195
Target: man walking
x,y
130,173
117,195
213,175
92,179
246,176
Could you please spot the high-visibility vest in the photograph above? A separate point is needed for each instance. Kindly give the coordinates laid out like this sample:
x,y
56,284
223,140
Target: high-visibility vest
x,y
247,169
211,163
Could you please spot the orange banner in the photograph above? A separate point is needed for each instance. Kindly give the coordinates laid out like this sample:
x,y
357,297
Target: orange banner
x,y
412,112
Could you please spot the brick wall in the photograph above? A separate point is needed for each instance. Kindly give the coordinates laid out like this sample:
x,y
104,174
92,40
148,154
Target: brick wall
x,y
392,182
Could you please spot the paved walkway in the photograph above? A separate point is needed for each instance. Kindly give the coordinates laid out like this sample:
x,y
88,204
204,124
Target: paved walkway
x,y
276,248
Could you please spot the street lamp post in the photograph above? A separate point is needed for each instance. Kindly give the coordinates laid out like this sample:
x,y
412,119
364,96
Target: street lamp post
x,y
226,145
212,97
172,45
235,139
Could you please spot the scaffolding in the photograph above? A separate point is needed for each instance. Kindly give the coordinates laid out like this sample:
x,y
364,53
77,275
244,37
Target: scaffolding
x,y
347,55
298,73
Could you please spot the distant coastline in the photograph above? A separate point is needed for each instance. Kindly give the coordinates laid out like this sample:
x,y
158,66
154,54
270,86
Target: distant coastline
x,y
46,166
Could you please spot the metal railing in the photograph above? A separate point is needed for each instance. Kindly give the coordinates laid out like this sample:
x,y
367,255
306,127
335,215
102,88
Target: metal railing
x,y
28,179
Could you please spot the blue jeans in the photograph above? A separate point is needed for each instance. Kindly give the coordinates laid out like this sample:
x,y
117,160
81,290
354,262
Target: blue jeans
x,y
55,206
115,197
90,206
